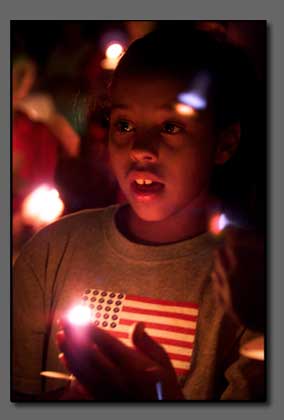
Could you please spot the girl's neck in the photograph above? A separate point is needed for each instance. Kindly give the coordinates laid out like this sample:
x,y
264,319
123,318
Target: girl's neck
x,y
188,223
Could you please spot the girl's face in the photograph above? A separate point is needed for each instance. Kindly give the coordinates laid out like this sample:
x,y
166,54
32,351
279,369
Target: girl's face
x,y
162,158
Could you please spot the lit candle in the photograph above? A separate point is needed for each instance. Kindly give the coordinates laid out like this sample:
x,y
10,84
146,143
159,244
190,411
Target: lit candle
x,y
113,54
79,315
42,206
217,223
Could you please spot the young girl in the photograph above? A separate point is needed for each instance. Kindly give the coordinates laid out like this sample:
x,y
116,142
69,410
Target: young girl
x,y
176,108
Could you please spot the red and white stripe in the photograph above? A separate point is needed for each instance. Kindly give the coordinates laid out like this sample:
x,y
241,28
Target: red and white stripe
x,y
170,323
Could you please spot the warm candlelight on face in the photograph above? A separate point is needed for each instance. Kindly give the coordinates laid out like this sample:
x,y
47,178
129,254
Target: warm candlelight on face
x,y
184,109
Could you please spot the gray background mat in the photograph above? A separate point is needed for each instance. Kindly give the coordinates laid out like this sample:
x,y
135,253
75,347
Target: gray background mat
x,y
217,9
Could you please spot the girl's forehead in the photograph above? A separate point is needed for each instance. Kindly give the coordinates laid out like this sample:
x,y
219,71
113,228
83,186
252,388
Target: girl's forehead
x,y
154,92
147,88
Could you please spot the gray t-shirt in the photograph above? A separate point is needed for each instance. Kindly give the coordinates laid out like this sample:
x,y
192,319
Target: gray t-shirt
x,y
84,256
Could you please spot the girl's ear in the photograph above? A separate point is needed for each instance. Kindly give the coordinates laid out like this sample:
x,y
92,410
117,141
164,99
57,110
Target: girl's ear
x,y
228,142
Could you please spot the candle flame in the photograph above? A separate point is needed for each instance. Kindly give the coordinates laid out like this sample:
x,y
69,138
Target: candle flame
x,y
79,315
114,50
217,223
42,206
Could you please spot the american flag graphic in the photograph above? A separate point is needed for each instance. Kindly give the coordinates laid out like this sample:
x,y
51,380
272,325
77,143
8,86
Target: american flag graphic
x,y
170,323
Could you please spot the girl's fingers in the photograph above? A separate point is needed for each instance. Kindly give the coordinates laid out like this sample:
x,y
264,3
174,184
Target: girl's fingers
x,y
120,354
92,368
101,376
150,347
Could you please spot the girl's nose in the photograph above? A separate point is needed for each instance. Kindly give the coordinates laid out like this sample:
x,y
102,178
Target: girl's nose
x,y
144,150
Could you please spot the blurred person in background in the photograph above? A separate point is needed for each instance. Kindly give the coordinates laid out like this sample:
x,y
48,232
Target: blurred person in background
x,y
88,182
75,74
40,137
240,268
239,276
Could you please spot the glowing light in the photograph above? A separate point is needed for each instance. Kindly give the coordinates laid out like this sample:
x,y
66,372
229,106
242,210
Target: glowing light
x,y
193,99
223,222
217,223
197,92
159,391
79,315
114,51
254,349
42,206
184,109
57,375
113,54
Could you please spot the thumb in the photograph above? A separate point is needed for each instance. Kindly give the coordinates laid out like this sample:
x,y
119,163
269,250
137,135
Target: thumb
x,y
150,347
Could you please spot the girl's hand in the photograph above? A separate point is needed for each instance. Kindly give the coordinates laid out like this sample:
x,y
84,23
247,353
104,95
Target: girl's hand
x,y
110,370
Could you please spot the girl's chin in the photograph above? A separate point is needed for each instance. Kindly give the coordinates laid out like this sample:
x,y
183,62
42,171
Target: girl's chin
x,y
150,213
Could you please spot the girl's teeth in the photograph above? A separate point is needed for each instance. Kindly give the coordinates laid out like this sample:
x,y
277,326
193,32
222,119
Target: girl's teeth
x,y
143,181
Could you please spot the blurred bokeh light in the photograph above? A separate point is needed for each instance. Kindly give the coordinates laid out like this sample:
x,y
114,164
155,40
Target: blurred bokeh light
x,y
42,206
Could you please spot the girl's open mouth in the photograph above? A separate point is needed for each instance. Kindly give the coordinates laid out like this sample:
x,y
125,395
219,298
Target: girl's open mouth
x,y
146,188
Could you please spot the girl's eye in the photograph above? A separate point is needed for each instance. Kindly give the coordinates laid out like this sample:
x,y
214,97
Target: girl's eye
x,y
124,126
171,128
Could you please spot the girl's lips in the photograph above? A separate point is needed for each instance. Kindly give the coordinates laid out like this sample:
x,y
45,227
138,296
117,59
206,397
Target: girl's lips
x,y
145,175
146,192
